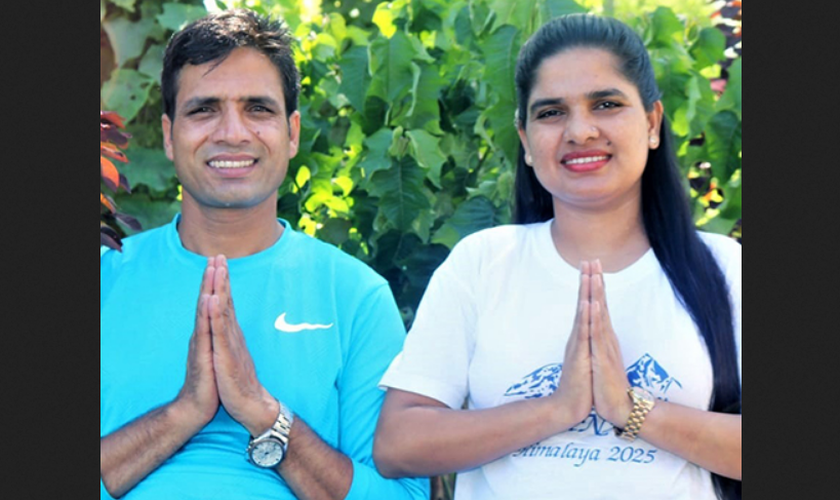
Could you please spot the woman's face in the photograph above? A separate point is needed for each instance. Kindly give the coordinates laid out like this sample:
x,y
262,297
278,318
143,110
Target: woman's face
x,y
587,134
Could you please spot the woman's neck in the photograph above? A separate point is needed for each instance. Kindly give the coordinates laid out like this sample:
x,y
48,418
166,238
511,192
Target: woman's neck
x,y
615,235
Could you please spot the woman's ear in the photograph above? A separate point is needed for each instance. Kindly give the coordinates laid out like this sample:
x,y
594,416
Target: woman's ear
x,y
655,123
523,138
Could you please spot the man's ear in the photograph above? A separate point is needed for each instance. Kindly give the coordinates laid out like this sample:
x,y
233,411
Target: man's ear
x,y
166,124
294,133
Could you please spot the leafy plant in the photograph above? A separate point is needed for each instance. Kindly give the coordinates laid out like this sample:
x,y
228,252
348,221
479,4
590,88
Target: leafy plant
x,y
110,140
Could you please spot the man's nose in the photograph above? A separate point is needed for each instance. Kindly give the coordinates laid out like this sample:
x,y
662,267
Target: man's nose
x,y
232,128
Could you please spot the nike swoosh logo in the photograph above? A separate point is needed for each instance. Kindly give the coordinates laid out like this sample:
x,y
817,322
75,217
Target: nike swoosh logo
x,y
281,325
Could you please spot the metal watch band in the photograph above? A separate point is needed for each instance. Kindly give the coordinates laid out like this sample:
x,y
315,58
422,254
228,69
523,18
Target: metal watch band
x,y
636,418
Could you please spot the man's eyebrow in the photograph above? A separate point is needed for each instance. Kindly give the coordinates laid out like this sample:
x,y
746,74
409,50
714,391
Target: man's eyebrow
x,y
264,100
197,102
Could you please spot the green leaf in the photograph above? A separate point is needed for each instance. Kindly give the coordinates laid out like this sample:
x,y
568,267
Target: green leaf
x,y
152,62
355,77
335,231
377,157
124,4
666,26
500,52
723,143
516,13
731,98
426,149
708,48
126,92
150,168
470,216
505,136
102,10
554,8
176,15
128,38
425,111
390,64
401,197
151,213
463,29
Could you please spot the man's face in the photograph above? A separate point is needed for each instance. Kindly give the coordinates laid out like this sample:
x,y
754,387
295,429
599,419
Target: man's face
x,y
230,140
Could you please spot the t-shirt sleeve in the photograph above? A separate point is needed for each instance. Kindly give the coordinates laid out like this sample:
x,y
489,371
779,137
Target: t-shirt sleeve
x,y
377,334
436,357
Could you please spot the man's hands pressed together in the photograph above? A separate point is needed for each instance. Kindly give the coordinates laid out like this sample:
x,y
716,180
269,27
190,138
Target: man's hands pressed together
x,y
239,390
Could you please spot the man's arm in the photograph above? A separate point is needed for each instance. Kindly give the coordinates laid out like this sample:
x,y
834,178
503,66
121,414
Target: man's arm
x,y
312,469
129,454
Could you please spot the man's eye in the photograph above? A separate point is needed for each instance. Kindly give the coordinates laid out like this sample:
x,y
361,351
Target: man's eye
x,y
202,109
260,109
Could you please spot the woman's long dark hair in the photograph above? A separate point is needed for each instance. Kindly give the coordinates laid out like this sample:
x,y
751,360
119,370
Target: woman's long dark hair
x,y
689,264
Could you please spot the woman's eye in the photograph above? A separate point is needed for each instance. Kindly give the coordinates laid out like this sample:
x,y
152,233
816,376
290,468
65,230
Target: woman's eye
x,y
607,105
548,113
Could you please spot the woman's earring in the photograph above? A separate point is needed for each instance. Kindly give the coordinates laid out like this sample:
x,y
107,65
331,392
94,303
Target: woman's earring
x,y
528,160
653,141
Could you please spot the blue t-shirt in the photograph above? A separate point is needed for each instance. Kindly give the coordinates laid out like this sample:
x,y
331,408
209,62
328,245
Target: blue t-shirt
x,y
340,329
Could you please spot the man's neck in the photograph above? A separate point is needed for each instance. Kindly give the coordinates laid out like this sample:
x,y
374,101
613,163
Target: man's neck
x,y
614,234
232,232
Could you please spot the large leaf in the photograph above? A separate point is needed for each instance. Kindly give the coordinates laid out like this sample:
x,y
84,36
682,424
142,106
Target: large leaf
x,y
708,48
500,52
470,216
152,62
377,156
549,9
390,64
426,149
150,213
731,98
126,92
400,192
666,26
424,111
355,77
517,13
176,15
128,38
151,168
723,143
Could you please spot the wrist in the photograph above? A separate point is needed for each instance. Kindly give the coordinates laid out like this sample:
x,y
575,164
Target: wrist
x,y
262,415
180,413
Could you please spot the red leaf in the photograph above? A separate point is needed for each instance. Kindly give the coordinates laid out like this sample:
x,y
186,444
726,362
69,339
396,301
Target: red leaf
x,y
124,184
108,133
111,151
108,202
109,238
109,173
129,221
111,117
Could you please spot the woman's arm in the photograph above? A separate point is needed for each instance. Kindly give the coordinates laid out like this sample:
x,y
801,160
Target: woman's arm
x,y
418,435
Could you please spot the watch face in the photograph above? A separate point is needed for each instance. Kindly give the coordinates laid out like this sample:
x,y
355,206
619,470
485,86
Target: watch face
x,y
644,395
267,453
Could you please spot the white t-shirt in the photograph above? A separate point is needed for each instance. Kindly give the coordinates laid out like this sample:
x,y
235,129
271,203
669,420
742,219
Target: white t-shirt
x,y
492,328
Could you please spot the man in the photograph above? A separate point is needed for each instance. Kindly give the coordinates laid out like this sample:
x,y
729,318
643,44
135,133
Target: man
x,y
239,358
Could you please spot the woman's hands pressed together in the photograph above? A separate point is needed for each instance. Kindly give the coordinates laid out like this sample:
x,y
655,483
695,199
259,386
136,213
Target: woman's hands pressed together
x,y
593,369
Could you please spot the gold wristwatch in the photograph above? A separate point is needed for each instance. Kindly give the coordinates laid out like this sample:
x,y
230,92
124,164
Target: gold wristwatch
x,y
643,402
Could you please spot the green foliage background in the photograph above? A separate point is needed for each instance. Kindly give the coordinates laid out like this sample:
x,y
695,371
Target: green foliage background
x,y
407,141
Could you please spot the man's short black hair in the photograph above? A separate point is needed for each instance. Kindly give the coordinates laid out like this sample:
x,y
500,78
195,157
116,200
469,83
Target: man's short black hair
x,y
215,36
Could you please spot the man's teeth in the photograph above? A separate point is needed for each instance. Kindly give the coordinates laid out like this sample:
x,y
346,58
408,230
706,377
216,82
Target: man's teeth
x,y
232,164
587,159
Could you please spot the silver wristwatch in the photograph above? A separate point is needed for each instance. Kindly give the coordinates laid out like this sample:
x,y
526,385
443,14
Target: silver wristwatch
x,y
268,449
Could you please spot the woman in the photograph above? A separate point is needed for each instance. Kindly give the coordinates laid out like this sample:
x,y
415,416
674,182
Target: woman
x,y
596,341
